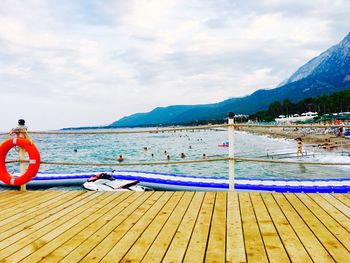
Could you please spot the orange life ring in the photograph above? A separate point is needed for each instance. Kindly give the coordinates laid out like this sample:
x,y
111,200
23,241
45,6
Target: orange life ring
x,y
34,161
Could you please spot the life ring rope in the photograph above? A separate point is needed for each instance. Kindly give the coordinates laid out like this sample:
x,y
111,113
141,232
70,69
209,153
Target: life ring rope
x,y
33,163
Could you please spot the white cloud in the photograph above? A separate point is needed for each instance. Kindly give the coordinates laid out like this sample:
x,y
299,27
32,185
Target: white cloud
x,y
257,79
71,63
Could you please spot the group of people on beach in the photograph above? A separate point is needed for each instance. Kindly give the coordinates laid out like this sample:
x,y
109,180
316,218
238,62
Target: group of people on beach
x,y
327,145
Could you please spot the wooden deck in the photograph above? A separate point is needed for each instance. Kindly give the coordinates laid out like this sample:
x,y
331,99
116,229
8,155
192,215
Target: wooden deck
x,y
72,226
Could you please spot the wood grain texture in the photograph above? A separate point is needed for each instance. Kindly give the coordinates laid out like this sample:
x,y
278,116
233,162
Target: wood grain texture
x,y
79,226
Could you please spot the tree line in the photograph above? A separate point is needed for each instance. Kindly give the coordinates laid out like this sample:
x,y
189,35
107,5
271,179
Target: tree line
x,y
336,102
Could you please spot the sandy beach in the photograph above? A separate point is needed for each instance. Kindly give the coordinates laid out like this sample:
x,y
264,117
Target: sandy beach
x,y
309,136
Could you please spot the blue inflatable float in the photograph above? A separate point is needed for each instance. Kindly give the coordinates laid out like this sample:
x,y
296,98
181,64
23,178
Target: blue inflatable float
x,y
175,182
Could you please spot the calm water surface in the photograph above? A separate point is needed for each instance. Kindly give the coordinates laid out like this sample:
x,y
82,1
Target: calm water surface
x,y
99,148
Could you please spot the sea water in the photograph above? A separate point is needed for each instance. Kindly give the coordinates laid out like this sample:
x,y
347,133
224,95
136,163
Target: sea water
x,y
150,147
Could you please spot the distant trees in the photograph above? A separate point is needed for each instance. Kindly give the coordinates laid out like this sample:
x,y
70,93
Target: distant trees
x,y
275,108
336,102
287,105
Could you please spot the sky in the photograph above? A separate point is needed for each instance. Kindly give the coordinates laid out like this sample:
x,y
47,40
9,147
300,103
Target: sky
x,y
67,63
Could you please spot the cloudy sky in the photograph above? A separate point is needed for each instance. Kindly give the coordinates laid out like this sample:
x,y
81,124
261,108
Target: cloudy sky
x,y
90,62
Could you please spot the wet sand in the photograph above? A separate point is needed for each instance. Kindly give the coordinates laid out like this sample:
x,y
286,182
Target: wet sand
x,y
316,136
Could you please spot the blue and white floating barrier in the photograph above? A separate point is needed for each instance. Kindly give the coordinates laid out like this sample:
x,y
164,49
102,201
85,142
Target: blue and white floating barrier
x,y
175,182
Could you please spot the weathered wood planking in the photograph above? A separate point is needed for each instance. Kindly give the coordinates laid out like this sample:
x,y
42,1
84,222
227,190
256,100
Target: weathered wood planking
x,y
78,226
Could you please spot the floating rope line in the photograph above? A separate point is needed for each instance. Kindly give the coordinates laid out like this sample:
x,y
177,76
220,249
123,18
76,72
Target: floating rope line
x,y
239,159
203,127
139,164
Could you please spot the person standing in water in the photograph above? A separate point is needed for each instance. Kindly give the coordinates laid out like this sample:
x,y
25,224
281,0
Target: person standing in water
x,y
340,132
300,146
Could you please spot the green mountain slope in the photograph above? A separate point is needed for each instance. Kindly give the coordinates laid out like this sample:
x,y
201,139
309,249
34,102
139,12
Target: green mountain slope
x,y
324,74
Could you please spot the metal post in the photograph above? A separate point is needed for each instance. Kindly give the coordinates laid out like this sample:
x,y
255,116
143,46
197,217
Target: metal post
x,y
231,152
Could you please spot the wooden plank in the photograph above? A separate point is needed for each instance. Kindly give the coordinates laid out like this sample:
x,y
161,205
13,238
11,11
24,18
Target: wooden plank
x,y
25,219
19,198
126,242
235,249
33,201
332,211
273,244
34,241
66,243
36,246
91,227
18,206
40,208
15,242
28,204
291,242
307,237
9,196
329,241
52,242
160,245
6,193
198,243
178,246
217,236
342,198
97,254
336,203
332,225
15,233
94,241
252,237
141,246
13,197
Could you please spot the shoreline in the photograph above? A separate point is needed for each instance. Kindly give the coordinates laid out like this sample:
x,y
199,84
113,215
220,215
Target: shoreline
x,y
308,136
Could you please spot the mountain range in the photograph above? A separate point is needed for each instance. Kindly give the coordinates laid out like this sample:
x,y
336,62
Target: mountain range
x,y
324,74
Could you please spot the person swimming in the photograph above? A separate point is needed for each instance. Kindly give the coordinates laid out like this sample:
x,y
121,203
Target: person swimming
x,y
120,158
204,156
182,155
